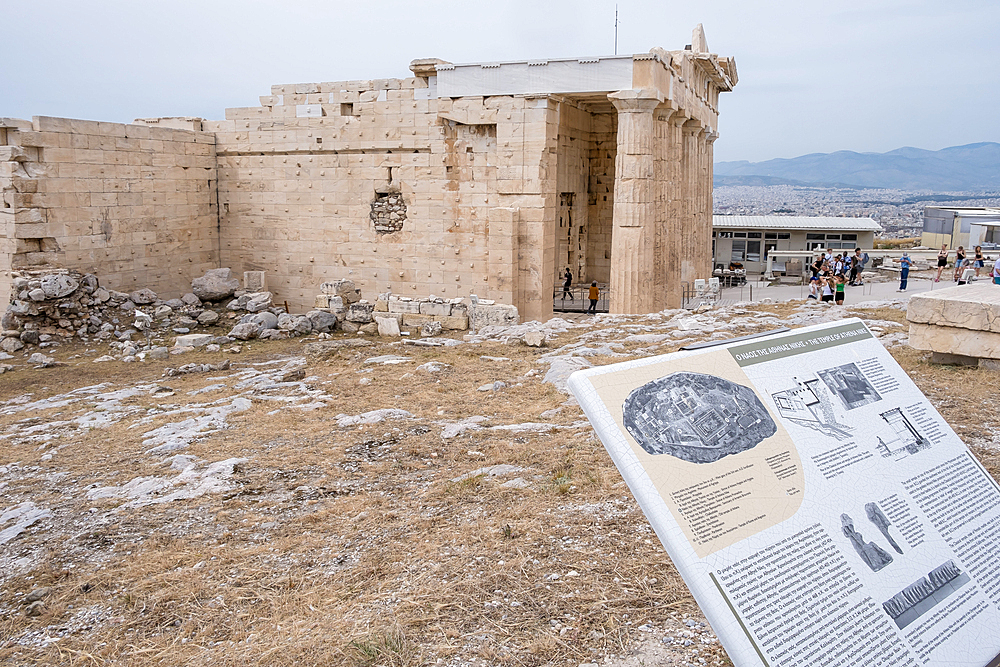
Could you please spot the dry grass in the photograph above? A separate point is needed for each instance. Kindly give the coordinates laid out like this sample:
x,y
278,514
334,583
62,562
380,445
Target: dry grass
x,y
353,546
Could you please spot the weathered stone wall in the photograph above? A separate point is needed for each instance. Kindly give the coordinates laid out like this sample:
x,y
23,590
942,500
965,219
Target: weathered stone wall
x,y
299,175
132,203
297,192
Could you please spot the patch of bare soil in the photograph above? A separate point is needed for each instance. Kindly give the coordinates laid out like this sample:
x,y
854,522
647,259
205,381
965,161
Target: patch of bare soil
x,y
379,505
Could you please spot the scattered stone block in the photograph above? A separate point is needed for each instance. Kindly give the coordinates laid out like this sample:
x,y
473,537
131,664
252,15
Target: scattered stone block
x,y
322,321
215,285
534,339
193,340
142,297
387,326
246,331
266,320
360,312
11,345
208,318
56,286
189,299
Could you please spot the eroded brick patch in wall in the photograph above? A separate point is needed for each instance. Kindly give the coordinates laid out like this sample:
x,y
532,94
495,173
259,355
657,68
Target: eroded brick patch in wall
x,y
388,212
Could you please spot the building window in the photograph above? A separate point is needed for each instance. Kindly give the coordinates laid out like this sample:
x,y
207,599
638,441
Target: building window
x,y
740,235
784,236
753,251
739,248
753,235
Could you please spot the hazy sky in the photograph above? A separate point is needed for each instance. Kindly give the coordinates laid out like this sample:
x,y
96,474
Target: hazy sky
x,y
815,75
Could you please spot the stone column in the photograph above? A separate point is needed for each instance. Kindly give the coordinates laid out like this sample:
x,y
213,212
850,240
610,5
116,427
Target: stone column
x,y
676,221
634,235
709,202
690,165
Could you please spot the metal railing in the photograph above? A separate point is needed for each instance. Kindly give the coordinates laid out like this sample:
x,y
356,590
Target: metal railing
x,y
577,301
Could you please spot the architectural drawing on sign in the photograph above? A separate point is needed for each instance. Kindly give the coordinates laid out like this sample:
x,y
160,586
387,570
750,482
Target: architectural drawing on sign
x,y
695,417
924,594
807,405
874,556
848,383
907,439
881,522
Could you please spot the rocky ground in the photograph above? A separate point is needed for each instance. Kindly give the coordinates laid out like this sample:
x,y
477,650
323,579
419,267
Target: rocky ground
x,y
354,500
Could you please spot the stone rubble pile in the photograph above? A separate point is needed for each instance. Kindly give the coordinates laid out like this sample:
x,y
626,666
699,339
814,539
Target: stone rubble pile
x,y
53,305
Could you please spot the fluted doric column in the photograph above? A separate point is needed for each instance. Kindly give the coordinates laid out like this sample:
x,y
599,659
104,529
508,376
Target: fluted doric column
x,y
691,218
633,239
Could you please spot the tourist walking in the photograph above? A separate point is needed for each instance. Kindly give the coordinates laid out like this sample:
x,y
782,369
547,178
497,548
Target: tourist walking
x,y
904,271
996,272
977,261
959,261
567,283
942,261
594,294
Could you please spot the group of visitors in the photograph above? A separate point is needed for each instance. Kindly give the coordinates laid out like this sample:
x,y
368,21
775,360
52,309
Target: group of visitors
x,y
964,265
962,261
832,274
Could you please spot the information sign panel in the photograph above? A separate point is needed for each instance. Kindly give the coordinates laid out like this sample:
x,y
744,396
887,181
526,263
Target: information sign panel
x,y
818,507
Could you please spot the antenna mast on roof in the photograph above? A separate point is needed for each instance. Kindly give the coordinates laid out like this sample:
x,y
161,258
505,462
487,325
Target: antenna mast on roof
x,y
616,28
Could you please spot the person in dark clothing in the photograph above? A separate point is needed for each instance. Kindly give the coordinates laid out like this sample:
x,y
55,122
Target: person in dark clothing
x,y
567,283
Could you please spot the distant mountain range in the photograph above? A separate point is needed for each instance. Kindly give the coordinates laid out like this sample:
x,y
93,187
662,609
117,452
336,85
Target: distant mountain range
x,y
974,167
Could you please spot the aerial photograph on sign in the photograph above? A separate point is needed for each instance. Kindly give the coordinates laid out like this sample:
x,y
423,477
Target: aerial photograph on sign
x,y
696,417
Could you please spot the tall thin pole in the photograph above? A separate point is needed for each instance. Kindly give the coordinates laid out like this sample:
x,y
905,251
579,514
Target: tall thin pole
x,y
616,28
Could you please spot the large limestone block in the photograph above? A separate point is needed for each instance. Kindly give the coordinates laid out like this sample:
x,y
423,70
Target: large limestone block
x,y
387,326
975,307
955,340
404,307
453,322
431,308
216,284
416,320
499,314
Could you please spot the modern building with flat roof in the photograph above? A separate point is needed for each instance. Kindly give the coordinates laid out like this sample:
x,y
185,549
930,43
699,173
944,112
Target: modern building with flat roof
x,y
966,226
749,239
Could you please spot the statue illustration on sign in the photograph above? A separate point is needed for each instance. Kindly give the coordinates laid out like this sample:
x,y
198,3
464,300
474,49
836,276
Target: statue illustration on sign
x,y
872,554
695,417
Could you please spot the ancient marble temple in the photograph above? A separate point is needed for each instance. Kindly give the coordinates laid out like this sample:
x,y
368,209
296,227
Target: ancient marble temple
x,y
487,178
